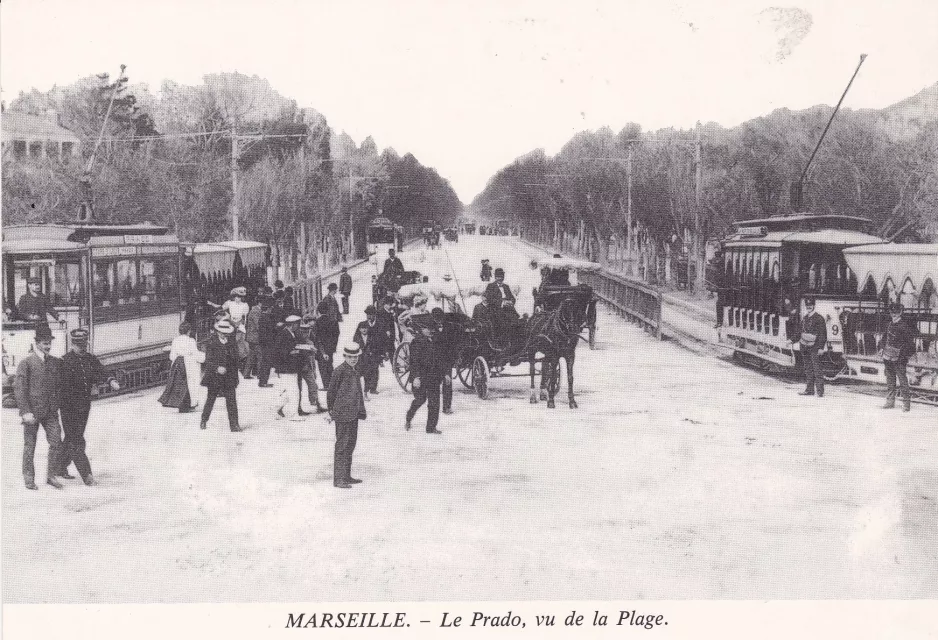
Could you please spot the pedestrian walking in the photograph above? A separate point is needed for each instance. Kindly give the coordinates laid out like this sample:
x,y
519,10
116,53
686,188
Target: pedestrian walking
x,y
221,373
289,366
897,349
308,350
812,338
346,403
425,377
444,342
368,338
80,372
345,288
327,325
252,334
37,388
182,386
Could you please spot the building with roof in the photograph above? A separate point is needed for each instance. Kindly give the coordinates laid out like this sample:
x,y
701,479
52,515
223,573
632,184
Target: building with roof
x,y
35,136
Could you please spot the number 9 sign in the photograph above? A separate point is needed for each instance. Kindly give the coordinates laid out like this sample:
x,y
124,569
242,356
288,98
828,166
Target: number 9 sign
x,y
835,329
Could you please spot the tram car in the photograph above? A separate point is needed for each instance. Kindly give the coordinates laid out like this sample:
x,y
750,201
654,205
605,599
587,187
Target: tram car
x,y
905,273
451,234
129,285
121,282
767,267
382,234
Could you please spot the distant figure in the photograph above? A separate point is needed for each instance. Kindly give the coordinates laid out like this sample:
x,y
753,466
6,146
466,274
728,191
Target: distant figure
x,y
38,396
221,373
393,264
182,386
35,305
80,371
266,339
486,273
898,348
345,288
346,402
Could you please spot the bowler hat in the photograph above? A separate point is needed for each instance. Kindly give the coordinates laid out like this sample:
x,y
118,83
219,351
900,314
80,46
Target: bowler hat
x,y
499,272
809,301
352,349
79,335
896,307
33,280
332,286
43,332
370,310
557,255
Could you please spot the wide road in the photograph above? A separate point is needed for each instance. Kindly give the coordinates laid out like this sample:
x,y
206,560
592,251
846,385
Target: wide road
x,y
680,476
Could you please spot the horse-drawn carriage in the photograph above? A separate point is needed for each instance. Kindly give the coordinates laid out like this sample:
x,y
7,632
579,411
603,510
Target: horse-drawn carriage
x,y
451,234
391,282
486,349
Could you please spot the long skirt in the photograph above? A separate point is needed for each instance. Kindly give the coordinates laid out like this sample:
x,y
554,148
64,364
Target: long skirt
x,y
176,393
241,341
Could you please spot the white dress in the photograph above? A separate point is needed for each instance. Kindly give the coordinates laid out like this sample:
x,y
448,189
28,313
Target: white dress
x,y
187,348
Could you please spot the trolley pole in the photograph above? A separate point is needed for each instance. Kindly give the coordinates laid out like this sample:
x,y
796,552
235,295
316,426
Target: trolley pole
x,y
699,249
235,189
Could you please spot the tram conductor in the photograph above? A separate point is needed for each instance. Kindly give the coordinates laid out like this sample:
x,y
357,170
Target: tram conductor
x,y
34,305
812,339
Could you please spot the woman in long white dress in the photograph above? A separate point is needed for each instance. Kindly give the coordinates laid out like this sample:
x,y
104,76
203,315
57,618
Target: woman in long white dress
x,y
183,385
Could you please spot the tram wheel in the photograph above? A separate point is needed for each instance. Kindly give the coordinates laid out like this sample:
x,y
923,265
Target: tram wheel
x,y
401,365
480,377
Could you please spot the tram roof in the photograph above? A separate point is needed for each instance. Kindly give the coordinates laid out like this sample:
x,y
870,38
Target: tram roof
x,y
804,221
836,237
45,238
898,262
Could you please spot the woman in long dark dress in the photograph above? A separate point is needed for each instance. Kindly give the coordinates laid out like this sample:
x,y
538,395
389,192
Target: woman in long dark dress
x,y
182,387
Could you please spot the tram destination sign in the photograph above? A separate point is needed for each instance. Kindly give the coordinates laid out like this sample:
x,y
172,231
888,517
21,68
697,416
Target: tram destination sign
x,y
109,252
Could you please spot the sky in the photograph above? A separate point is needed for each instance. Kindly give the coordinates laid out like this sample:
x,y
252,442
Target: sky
x,y
468,86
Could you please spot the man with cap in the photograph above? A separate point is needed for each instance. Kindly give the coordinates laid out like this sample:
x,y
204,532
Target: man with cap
x,y
327,326
309,349
346,402
35,305
393,264
345,288
386,321
38,387
812,338
897,349
221,373
368,337
425,377
80,372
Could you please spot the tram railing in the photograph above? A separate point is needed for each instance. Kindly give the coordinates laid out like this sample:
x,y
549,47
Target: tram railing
x,y
629,298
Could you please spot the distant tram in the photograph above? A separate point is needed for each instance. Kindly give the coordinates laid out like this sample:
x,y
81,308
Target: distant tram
x,y
383,235
129,285
766,269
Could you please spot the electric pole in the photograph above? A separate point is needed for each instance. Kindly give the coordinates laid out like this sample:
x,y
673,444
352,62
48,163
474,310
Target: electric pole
x,y
235,192
699,247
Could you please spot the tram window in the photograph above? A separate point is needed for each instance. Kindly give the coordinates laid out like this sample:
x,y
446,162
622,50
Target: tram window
x,y
147,288
66,287
102,283
126,280
813,277
775,271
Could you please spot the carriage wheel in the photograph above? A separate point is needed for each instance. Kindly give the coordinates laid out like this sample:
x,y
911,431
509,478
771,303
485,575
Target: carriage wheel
x,y
401,365
592,338
480,377
464,373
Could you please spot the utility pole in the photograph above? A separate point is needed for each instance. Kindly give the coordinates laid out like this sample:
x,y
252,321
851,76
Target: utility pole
x,y
699,247
351,215
235,190
628,211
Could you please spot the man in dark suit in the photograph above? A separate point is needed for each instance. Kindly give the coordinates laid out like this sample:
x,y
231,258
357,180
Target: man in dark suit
x,y
290,361
266,340
346,404
812,339
327,326
425,377
500,297
897,349
368,337
80,371
393,264
37,387
444,348
309,349
345,288
221,373
34,305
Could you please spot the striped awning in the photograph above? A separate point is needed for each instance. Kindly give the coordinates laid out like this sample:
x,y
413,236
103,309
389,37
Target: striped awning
x,y
897,262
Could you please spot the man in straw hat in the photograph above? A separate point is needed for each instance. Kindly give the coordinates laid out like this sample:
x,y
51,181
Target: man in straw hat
x,y
290,360
80,372
221,373
346,402
897,349
37,388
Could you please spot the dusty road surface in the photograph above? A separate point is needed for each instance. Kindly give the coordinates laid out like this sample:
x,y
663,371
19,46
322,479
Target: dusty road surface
x,y
680,476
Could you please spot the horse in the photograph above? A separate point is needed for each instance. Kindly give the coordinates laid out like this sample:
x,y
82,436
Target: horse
x,y
555,332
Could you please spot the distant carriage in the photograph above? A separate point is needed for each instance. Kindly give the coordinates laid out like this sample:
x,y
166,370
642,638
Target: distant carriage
x,y
382,235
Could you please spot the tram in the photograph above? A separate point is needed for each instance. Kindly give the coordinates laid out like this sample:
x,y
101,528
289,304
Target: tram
x,y
766,268
129,285
121,282
383,235
905,273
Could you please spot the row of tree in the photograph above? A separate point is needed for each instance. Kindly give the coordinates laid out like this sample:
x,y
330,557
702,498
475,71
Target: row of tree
x,y
302,188
580,200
